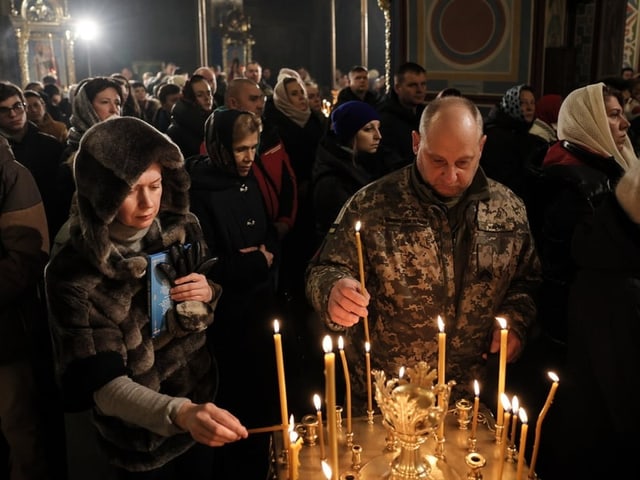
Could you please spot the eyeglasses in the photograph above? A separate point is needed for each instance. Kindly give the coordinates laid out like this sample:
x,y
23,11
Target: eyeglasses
x,y
17,107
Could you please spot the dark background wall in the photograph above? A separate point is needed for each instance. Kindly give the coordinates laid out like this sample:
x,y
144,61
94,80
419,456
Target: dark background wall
x,y
287,33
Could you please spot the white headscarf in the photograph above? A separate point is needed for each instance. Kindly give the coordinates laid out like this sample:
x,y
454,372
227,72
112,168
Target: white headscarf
x,y
282,102
583,120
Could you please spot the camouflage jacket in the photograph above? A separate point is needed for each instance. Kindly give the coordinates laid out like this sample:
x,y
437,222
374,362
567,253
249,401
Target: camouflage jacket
x,y
409,247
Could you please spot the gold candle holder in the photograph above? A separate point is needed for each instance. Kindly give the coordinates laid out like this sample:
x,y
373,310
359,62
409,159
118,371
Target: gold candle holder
x,y
356,457
475,462
339,411
308,428
463,407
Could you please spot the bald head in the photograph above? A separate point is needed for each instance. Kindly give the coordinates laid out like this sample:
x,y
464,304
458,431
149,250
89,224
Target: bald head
x,y
245,94
449,145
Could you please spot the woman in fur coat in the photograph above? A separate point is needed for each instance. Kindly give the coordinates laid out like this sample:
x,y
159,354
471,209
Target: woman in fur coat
x,y
150,395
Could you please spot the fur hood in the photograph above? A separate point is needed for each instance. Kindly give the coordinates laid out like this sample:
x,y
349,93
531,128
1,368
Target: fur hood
x,y
111,157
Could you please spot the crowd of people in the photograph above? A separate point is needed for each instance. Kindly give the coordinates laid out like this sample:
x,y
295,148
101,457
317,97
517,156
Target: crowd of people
x,y
529,212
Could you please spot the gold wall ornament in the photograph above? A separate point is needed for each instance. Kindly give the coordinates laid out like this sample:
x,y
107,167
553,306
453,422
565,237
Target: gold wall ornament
x,y
45,45
385,6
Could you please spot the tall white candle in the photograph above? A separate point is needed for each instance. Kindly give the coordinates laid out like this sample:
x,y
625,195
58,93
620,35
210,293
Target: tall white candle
x,y
316,402
347,381
536,444
277,340
476,407
502,371
523,443
361,272
330,402
367,359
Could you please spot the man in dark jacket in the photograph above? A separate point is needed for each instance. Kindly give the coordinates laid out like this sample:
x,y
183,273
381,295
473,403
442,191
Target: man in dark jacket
x,y
24,247
39,152
400,111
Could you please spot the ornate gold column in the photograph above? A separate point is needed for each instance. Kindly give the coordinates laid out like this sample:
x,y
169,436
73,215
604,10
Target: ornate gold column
x,y
385,6
203,39
364,32
333,44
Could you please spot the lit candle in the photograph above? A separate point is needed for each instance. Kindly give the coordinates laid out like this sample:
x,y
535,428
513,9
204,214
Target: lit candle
x,y
330,402
295,444
442,350
347,381
476,407
502,372
536,444
523,443
367,358
361,271
316,402
504,401
277,339
515,406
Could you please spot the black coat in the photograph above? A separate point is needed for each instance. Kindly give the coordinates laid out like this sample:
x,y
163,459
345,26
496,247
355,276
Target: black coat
x,y
187,127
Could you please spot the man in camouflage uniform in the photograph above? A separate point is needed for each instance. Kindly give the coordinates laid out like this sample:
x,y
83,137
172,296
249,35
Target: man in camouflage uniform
x,y
438,238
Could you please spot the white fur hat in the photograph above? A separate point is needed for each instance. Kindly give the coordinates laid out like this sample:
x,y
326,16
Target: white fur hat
x,y
628,192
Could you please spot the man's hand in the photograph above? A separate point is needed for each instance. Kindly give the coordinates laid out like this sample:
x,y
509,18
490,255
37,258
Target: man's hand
x,y
209,424
514,345
347,302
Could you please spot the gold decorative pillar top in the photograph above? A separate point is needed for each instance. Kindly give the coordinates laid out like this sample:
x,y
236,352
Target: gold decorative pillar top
x,y
385,6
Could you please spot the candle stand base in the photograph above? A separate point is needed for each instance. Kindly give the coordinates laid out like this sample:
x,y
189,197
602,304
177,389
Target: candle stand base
x,y
499,429
370,417
349,438
472,444
512,453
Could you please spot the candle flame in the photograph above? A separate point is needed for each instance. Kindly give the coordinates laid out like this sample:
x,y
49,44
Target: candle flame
x,y
515,405
476,388
292,422
401,373
316,402
502,322
326,469
553,376
523,416
506,404
367,347
358,225
327,344
340,343
293,436
276,326
440,324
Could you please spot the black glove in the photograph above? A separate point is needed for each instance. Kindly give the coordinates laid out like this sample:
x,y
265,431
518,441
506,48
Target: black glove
x,y
184,260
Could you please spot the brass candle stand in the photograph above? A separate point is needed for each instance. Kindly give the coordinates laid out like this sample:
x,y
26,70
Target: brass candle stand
x,y
411,414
